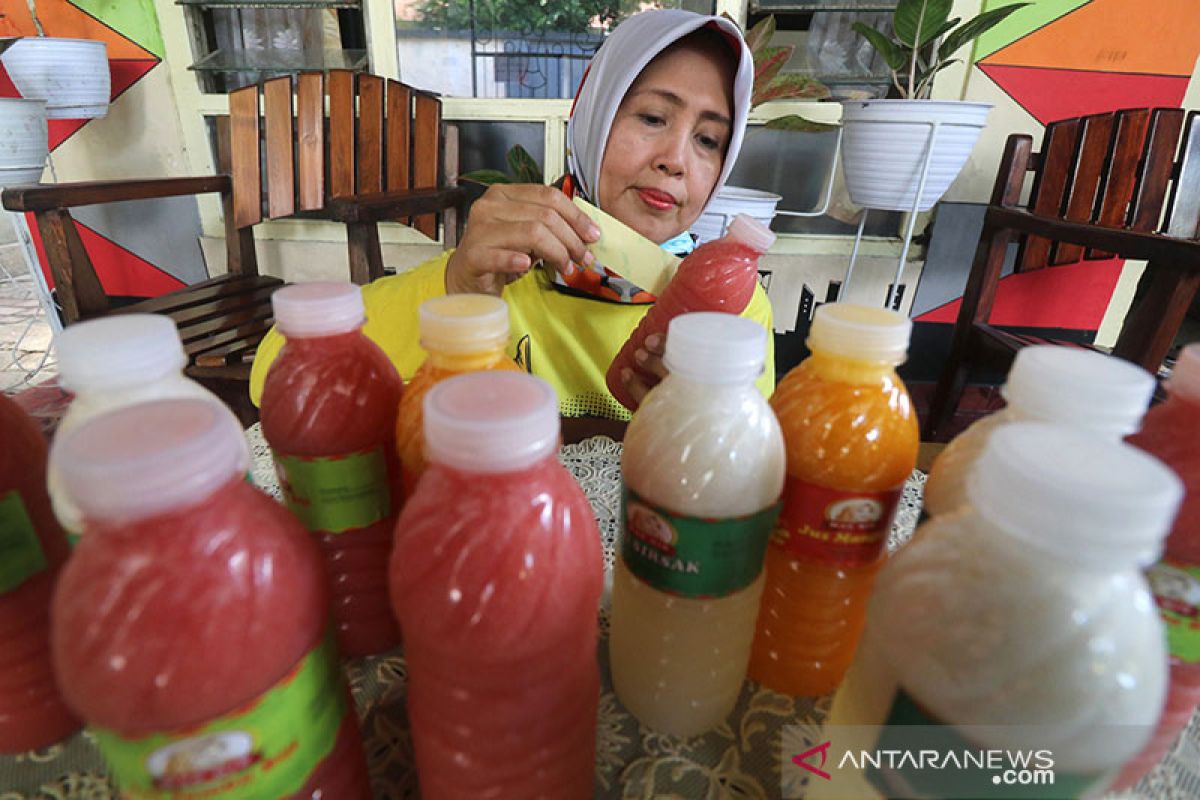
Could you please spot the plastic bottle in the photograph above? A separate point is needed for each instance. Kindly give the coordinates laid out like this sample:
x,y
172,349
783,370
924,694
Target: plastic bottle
x,y
703,467
851,437
716,276
461,333
191,624
1026,612
32,713
496,579
113,362
329,407
1064,385
1172,433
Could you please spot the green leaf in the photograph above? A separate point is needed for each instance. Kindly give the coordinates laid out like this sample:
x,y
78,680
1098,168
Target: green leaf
x,y
795,122
485,176
972,29
522,166
925,80
895,56
760,35
793,86
950,23
916,20
765,70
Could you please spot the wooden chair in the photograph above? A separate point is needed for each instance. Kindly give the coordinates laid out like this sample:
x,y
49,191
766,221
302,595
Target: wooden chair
x,y
376,155
1099,188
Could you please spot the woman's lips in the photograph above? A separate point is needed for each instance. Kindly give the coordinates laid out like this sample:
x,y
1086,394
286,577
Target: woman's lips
x,y
660,201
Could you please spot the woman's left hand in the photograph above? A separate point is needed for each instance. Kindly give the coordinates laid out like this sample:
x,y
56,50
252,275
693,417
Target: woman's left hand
x,y
649,370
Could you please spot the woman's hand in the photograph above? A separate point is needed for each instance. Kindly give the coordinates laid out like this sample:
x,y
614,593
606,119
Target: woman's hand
x,y
649,371
512,226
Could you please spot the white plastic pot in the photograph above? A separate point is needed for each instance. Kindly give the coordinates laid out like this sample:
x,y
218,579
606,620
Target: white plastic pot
x,y
885,142
71,75
23,140
727,204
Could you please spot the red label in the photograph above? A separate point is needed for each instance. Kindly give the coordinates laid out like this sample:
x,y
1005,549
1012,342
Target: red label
x,y
832,525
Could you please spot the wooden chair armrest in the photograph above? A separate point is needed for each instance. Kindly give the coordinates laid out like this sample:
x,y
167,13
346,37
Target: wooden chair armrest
x,y
1126,243
389,205
38,197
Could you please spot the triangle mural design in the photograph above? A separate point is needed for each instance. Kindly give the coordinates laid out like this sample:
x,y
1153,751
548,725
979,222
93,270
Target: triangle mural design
x,y
1052,94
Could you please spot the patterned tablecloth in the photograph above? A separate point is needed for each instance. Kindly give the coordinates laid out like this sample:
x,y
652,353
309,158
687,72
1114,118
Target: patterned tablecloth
x,y
737,760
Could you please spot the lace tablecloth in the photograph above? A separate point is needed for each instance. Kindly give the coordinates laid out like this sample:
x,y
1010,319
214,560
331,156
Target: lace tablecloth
x,y
740,759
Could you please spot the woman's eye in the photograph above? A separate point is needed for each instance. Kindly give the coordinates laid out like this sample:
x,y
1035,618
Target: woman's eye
x,y
709,143
650,119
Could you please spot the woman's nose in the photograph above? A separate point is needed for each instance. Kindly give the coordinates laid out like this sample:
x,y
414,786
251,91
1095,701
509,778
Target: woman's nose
x,y
671,156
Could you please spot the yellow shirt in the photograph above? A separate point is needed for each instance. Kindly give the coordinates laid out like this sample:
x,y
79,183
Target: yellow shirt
x,y
568,341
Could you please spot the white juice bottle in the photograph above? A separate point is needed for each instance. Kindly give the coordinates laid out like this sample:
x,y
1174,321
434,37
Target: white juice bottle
x,y
1027,613
110,363
1047,383
703,468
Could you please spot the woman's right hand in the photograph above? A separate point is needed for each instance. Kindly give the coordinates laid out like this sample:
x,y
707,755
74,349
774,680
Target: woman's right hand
x,y
512,226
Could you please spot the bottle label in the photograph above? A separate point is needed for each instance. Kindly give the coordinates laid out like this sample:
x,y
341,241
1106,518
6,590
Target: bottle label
x,y
834,526
339,493
919,755
692,556
267,748
21,555
1176,589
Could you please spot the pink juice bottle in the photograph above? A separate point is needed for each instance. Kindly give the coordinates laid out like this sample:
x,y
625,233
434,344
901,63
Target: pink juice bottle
x,y
191,624
1171,432
34,547
329,408
718,276
496,578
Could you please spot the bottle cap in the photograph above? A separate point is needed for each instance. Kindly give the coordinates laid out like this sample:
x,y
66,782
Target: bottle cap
x,y
148,458
319,308
1081,496
864,333
1185,377
490,421
117,351
713,347
751,232
463,323
1079,388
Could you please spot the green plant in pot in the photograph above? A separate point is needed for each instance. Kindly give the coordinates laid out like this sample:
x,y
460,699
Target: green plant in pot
x,y
886,141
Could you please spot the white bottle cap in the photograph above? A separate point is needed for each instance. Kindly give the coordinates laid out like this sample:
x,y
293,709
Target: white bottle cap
x,y
1080,388
713,347
150,457
751,232
490,421
1081,496
1185,377
463,323
863,333
319,308
117,351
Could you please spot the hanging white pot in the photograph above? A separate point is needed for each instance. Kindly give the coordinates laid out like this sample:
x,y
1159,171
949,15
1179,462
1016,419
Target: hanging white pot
x,y
727,204
23,140
885,143
71,75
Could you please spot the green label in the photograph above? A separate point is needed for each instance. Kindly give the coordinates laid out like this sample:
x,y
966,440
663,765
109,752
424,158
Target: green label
x,y
1176,589
693,556
339,493
267,748
21,555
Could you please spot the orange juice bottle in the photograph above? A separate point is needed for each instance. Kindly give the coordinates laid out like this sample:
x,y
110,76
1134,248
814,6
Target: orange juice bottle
x,y
461,333
851,437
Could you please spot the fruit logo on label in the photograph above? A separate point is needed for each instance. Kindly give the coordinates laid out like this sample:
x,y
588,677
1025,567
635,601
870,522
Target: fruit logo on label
x,y
648,526
285,486
856,514
201,760
1175,590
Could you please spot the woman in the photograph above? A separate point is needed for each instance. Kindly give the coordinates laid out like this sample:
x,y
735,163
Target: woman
x,y
654,132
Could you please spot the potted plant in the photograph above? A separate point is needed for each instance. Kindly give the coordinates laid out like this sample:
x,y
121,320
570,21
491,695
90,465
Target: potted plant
x,y
886,141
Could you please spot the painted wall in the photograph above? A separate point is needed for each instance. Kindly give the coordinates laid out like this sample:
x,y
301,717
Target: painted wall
x,y
141,248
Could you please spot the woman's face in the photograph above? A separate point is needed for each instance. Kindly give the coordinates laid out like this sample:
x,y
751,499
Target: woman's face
x,y
668,142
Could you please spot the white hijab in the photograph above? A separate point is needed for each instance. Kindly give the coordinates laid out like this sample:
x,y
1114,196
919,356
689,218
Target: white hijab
x,y
618,62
